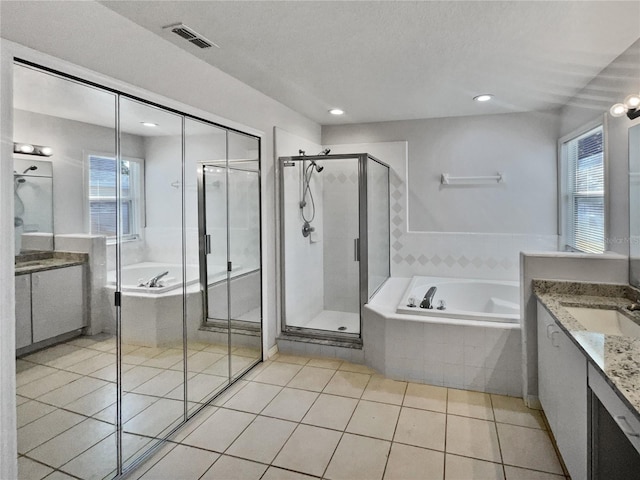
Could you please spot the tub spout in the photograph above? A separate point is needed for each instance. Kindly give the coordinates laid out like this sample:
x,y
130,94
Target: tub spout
x,y
153,282
427,301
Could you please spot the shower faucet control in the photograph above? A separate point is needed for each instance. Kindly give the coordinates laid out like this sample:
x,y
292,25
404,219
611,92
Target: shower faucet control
x,y
307,229
427,301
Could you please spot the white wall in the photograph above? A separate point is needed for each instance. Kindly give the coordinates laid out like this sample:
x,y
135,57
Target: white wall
x,y
612,85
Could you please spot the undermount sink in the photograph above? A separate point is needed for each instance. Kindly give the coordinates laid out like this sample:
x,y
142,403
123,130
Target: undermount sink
x,y
609,322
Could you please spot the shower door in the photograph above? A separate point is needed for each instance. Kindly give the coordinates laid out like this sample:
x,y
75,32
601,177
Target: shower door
x,y
320,235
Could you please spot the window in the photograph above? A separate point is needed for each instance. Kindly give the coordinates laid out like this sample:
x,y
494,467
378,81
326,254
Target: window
x,y
102,196
583,182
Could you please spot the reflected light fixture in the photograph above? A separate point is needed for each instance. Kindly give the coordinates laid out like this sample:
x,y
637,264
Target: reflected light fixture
x,y
31,149
149,124
336,111
630,106
485,97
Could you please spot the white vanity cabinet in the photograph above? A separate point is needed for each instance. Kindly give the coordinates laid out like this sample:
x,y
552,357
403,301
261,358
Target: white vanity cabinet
x,y
562,388
23,311
49,303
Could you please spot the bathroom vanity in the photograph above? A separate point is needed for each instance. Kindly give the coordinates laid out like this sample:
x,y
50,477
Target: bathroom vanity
x,y
50,298
589,376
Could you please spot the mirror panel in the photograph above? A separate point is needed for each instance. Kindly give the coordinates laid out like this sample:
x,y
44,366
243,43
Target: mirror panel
x,y
245,295
205,200
152,272
634,205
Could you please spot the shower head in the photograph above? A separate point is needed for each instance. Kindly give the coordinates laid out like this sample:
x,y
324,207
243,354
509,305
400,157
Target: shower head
x,y
318,168
31,167
325,151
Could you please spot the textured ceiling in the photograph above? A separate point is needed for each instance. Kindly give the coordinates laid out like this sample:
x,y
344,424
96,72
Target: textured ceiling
x,y
383,61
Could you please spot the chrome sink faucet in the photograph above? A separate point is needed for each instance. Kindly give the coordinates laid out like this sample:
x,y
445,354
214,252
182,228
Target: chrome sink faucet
x,y
634,307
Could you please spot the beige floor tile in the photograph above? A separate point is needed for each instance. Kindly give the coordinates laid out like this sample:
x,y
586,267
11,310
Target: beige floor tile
x,y
240,364
30,470
194,422
473,438
105,345
58,476
513,410
330,363
46,384
100,460
80,355
331,411
413,463
95,401
308,450
312,378
290,404
227,425
132,405
469,404
220,368
182,462
230,392
255,371
202,360
20,400
109,373
249,352
32,372
515,473
139,355
138,375
66,446
157,419
357,368
161,384
463,468
167,359
380,389
231,468
45,428
274,473
66,394
97,362
374,420
30,411
278,373
347,384
426,397
54,354
296,359
200,387
528,448
216,348
358,458
421,428
253,398
252,444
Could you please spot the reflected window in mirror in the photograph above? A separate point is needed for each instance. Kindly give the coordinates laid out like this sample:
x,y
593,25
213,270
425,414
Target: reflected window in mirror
x,y
102,201
582,208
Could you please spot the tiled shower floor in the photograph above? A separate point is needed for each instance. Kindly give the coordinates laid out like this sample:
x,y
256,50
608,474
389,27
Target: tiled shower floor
x,y
303,418
332,320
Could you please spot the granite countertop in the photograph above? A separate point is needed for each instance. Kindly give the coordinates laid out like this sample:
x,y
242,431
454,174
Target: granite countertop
x,y
31,262
616,357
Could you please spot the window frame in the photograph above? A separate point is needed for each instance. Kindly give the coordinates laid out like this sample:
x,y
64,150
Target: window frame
x,y
137,197
566,234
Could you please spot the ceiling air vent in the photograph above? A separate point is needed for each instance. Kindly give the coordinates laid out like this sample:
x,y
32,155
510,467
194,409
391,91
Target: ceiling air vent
x,y
191,35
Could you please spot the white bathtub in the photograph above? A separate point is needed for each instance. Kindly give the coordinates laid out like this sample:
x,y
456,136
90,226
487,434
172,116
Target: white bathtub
x,y
134,275
458,348
468,299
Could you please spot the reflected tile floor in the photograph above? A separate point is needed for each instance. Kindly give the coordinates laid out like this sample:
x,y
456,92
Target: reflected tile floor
x,y
66,397
290,418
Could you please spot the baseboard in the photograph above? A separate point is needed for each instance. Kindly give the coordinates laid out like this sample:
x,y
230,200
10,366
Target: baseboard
x,y
272,351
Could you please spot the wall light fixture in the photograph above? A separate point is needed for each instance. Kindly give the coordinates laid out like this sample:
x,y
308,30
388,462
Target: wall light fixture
x,y
630,107
30,149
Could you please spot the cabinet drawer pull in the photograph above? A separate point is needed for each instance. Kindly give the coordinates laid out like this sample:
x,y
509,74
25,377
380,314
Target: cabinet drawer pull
x,y
548,327
625,427
553,338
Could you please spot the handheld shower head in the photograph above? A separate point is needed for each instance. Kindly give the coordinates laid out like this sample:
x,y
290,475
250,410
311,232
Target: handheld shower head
x,y
318,168
31,167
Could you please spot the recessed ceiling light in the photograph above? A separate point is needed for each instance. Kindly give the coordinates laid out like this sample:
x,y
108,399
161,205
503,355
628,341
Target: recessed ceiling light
x,y
149,124
485,97
336,111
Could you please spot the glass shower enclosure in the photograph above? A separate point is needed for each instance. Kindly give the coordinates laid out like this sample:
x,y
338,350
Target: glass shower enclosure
x,y
334,241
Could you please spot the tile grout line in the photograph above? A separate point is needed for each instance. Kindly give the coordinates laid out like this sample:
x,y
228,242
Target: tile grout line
x,y
495,423
393,436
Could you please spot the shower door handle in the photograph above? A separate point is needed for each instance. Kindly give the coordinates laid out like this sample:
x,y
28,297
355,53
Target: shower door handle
x,y
207,244
356,249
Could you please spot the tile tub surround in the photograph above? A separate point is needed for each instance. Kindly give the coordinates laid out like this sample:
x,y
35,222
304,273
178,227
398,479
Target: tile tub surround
x,y
616,357
475,355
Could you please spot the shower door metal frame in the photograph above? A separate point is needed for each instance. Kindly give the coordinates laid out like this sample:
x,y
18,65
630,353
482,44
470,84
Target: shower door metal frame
x,y
362,248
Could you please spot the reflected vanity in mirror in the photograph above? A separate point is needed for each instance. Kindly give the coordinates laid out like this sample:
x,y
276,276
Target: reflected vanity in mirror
x,y
634,205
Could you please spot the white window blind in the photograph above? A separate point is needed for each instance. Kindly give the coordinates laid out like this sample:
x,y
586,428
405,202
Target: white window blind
x,y
585,189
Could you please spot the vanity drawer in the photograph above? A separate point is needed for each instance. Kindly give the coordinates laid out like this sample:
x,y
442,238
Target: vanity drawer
x,y
621,414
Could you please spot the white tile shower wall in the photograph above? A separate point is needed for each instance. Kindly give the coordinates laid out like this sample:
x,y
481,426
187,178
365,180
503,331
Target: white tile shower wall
x,y
456,254
340,228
